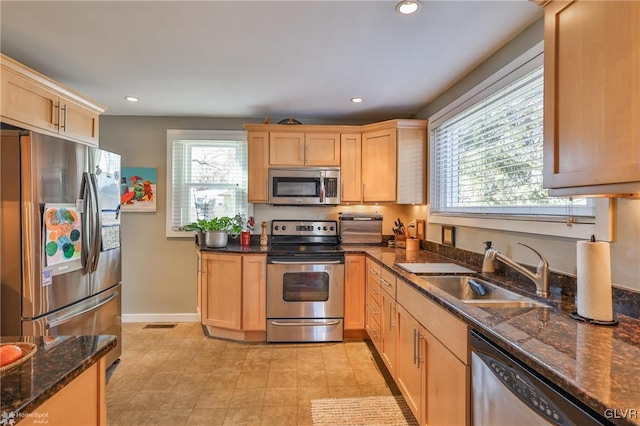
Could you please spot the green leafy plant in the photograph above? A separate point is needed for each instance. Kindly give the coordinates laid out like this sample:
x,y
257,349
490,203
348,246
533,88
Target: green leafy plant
x,y
221,223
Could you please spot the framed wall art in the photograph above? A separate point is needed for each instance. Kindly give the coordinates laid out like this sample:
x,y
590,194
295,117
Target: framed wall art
x,y
448,236
138,189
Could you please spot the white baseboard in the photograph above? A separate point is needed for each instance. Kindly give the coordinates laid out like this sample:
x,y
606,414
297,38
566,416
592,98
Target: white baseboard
x,y
160,318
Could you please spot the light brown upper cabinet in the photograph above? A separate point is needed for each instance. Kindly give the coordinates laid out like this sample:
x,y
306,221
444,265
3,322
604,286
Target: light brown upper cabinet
x,y
383,162
258,146
351,168
34,102
592,98
304,149
394,161
379,165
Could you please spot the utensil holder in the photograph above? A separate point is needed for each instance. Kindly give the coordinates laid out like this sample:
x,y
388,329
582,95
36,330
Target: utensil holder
x,y
412,244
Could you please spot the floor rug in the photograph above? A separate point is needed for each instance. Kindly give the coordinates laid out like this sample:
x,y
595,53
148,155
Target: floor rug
x,y
371,410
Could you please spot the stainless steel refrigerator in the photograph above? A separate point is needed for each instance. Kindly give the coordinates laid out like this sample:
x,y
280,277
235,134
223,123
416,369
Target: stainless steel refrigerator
x,y
60,238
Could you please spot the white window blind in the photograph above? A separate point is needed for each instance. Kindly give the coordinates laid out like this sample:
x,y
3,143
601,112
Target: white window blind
x,y
208,176
487,158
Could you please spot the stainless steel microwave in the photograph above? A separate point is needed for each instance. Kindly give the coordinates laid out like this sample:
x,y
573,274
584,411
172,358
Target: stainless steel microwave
x,y
296,186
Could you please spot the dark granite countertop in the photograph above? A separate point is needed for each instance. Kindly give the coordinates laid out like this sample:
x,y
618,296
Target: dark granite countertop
x,y
598,365
235,248
57,361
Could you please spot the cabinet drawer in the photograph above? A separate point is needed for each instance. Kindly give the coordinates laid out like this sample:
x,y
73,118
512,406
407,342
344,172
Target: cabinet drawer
x,y
373,271
374,311
373,328
388,282
373,293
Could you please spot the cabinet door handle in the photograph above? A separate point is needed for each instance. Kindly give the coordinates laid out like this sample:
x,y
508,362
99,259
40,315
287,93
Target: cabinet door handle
x,y
420,357
373,310
362,195
415,345
373,332
385,282
373,272
55,115
373,291
63,122
391,309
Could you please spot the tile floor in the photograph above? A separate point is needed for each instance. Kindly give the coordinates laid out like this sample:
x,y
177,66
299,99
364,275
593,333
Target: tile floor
x,y
180,377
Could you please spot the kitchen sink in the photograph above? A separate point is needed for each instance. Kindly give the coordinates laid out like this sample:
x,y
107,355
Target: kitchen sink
x,y
478,292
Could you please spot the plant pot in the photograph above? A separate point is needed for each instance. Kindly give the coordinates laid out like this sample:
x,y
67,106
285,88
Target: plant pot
x,y
200,239
245,238
216,238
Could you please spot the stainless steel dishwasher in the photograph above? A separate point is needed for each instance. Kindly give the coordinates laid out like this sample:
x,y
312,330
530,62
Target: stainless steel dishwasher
x,y
506,392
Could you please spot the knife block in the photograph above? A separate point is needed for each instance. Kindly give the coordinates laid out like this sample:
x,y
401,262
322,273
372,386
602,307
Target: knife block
x,y
401,241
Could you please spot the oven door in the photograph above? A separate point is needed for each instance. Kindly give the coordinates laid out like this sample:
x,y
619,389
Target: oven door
x,y
305,289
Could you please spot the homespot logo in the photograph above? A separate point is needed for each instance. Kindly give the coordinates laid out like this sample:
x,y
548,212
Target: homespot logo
x,y
11,418
621,413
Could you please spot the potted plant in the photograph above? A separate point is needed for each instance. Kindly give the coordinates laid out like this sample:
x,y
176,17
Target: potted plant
x,y
244,227
198,227
216,230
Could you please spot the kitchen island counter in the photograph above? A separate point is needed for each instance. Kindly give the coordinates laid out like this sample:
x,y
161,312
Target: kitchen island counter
x,y
55,366
598,365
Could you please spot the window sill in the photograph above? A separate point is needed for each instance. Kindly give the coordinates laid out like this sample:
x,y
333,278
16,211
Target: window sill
x,y
602,228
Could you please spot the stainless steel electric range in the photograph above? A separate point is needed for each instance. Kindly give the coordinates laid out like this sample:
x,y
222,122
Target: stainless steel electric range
x,y
305,282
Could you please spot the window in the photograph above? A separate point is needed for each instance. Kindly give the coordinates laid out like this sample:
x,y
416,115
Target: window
x,y
486,158
207,176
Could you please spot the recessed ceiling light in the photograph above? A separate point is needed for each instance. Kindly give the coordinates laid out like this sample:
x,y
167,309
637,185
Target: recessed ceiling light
x,y
131,98
407,7
356,100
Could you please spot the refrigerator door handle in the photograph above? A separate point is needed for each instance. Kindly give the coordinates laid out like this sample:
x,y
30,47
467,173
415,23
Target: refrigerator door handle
x,y
87,208
97,234
57,322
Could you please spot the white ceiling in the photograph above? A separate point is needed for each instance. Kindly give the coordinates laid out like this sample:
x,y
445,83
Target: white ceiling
x,y
259,58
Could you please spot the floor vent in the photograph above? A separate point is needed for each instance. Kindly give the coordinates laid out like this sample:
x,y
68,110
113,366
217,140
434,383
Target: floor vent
x,y
160,326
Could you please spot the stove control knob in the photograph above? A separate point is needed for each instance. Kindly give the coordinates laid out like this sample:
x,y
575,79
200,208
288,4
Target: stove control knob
x,y
276,227
284,227
324,228
319,228
331,228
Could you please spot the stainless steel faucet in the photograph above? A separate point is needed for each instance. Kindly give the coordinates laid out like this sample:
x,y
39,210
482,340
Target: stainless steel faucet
x,y
540,278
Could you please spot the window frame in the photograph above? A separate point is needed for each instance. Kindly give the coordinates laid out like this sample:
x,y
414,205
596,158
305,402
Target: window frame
x,y
544,225
204,135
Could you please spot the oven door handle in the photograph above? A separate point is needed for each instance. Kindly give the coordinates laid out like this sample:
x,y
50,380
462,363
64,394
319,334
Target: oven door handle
x,y
310,324
306,262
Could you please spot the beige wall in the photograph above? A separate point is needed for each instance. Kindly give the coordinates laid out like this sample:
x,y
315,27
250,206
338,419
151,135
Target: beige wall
x,y
159,272
561,252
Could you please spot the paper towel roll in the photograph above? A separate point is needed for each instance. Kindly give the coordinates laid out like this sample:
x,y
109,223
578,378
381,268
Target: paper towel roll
x,y
594,298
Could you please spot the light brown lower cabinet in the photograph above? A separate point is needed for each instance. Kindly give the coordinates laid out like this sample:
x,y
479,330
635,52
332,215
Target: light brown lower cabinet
x,y
232,290
254,292
388,328
81,402
411,376
354,293
425,349
432,380
448,383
